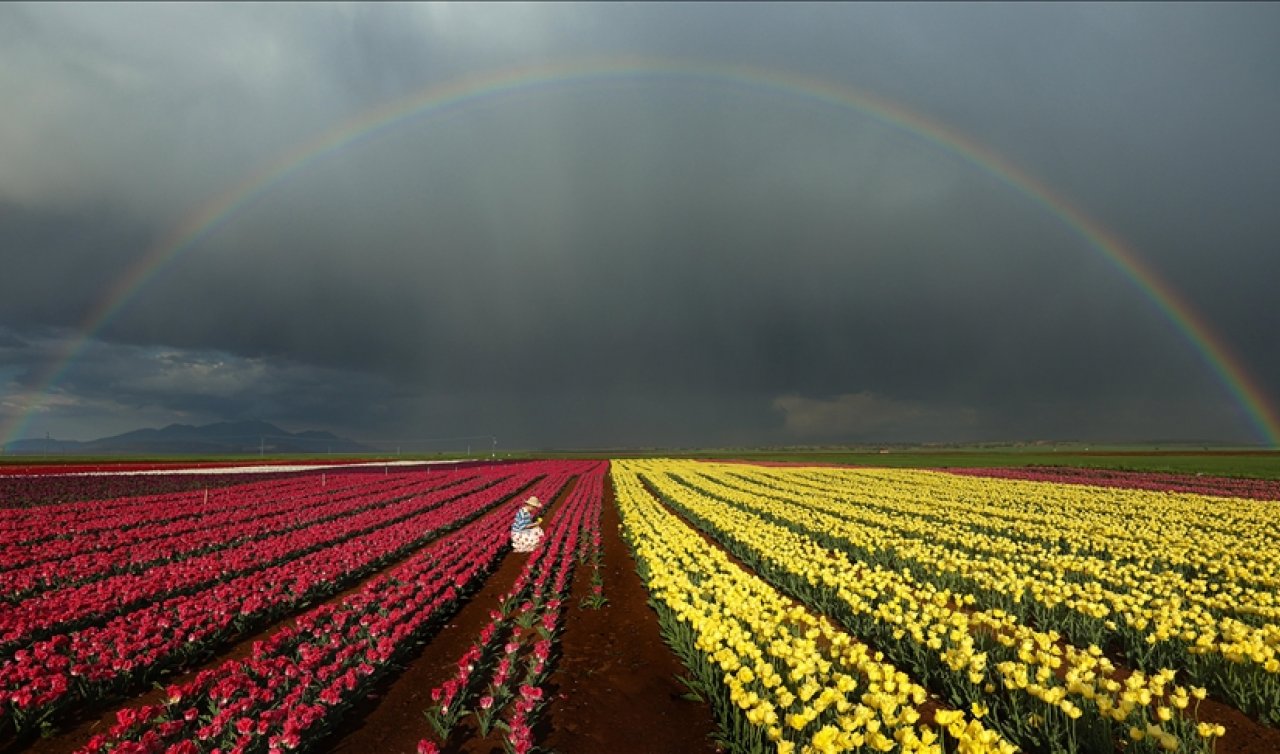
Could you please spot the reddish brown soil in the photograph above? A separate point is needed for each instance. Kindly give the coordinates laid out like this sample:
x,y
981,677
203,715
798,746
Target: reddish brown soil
x,y
1244,734
613,687
391,719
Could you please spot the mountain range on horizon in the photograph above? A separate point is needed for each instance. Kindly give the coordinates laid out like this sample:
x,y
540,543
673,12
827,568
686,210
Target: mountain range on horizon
x,y
242,437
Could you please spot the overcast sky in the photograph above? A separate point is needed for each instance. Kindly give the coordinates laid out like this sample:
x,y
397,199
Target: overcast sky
x,y
649,260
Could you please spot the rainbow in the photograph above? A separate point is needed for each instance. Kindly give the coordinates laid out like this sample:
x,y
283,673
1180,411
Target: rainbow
x,y
456,95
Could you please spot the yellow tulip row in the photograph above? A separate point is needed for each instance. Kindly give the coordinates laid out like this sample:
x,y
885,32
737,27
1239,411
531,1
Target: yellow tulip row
x,y
918,615
1177,532
802,683
1162,605
1238,572
1227,539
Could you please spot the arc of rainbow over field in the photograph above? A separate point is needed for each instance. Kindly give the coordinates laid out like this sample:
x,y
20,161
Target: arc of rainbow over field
x,y
437,101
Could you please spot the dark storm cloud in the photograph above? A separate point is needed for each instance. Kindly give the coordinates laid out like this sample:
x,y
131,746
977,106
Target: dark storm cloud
x,y
58,261
662,262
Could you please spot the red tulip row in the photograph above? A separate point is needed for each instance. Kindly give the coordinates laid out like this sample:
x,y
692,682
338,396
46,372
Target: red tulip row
x,y
1256,489
518,723
100,542
29,526
504,669
79,560
121,516
299,682
133,648
59,486
169,516
591,550
74,607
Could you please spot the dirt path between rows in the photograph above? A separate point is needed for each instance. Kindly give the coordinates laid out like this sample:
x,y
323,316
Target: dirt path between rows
x,y
390,719
613,687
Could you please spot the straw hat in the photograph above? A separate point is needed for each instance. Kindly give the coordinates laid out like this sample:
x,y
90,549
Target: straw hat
x,y
533,501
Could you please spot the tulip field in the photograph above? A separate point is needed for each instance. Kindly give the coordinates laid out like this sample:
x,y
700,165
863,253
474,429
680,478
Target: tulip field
x,y
1045,617
800,609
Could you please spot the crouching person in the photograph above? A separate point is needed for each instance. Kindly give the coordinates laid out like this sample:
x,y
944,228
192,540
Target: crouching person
x,y
526,531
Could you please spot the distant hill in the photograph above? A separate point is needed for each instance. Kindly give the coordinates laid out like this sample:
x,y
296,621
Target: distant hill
x,y
243,437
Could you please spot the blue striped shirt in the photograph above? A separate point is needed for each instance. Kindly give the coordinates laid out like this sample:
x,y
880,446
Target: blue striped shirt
x,y
524,520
